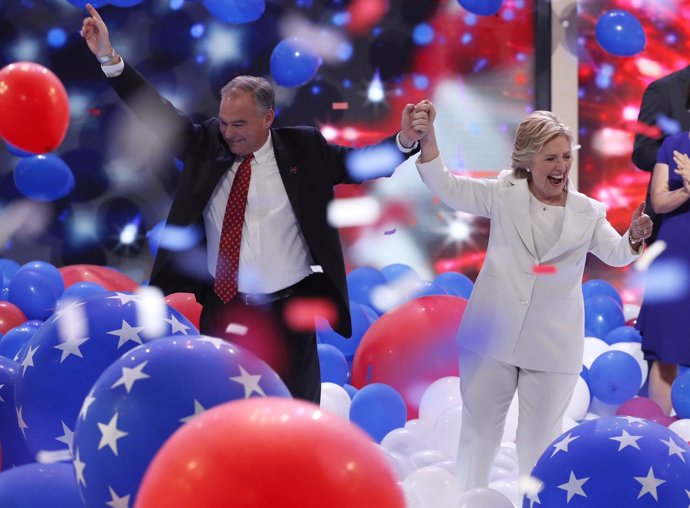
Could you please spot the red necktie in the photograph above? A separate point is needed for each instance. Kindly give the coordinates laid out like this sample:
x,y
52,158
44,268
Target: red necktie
x,y
225,284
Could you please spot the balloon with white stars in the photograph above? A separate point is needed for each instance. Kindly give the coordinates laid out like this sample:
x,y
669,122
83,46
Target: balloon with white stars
x,y
142,398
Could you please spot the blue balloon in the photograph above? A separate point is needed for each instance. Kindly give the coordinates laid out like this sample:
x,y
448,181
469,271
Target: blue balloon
x,y
595,287
14,339
680,394
125,3
236,11
50,271
147,394
481,7
12,442
613,461
43,177
623,333
34,293
362,318
360,283
378,408
18,152
351,390
82,290
397,271
614,377
73,347
294,62
455,283
333,364
37,485
602,314
620,33
8,267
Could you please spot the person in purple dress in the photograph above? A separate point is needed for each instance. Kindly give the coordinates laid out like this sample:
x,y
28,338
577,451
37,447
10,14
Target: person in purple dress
x,y
661,321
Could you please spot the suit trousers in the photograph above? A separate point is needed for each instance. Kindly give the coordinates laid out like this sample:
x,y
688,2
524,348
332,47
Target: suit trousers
x,y
260,327
487,388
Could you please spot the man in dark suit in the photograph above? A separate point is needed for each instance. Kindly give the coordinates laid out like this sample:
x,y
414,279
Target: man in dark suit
x,y
665,103
286,250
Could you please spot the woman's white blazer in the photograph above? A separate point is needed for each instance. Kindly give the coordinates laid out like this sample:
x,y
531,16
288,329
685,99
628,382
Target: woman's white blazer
x,y
515,315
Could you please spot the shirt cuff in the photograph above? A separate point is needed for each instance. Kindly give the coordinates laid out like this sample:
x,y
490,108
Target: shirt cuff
x,y
404,149
114,70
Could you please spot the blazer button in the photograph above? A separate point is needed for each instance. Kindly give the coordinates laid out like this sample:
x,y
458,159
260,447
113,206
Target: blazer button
x,y
524,302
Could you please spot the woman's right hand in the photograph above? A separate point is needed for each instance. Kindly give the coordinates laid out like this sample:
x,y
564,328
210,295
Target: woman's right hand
x,y
683,168
427,144
95,33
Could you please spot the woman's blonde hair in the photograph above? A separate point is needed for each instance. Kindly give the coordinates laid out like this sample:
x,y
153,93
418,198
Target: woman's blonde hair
x,y
534,131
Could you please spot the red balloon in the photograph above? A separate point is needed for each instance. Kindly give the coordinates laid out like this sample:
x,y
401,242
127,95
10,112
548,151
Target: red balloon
x,y
640,407
109,278
410,347
35,107
264,452
186,304
10,316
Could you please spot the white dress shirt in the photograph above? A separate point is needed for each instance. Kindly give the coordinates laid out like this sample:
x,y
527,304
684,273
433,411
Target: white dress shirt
x,y
273,252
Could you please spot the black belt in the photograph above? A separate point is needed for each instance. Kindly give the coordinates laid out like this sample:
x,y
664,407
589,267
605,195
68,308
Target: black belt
x,y
265,298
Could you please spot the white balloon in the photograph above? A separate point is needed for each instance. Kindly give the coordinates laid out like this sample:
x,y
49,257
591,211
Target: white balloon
x,y
422,428
682,428
411,499
433,486
506,461
335,399
593,348
568,423
509,488
634,349
630,311
424,458
403,441
482,497
439,396
449,465
600,408
402,465
447,430
579,403
500,473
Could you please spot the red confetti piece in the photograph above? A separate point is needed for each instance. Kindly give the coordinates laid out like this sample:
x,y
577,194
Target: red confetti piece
x,y
340,105
544,269
95,112
651,131
300,313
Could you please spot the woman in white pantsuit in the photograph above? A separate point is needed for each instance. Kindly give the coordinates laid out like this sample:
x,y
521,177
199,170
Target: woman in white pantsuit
x,y
523,329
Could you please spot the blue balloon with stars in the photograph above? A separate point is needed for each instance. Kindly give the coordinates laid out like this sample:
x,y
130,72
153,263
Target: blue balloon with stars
x,y
12,444
145,396
63,359
614,461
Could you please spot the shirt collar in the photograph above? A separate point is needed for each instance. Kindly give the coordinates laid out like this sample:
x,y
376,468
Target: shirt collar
x,y
262,155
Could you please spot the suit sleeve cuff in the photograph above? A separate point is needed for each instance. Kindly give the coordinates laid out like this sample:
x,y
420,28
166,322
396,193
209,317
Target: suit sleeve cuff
x,y
405,149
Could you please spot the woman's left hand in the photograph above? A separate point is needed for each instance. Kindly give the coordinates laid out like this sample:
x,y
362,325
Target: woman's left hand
x,y
641,225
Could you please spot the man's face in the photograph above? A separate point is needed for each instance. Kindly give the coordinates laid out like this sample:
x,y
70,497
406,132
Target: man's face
x,y
244,130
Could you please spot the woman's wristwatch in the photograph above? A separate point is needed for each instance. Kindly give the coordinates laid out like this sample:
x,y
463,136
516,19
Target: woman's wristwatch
x,y
635,244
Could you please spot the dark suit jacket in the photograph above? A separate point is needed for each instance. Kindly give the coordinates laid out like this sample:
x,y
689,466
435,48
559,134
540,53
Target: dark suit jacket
x,y
665,96
309,167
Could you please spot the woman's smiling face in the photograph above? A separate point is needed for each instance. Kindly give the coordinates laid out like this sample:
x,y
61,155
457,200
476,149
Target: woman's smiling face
x,y
549,170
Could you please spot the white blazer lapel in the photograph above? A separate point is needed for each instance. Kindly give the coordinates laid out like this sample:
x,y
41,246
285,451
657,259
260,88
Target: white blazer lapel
x,y
516,199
